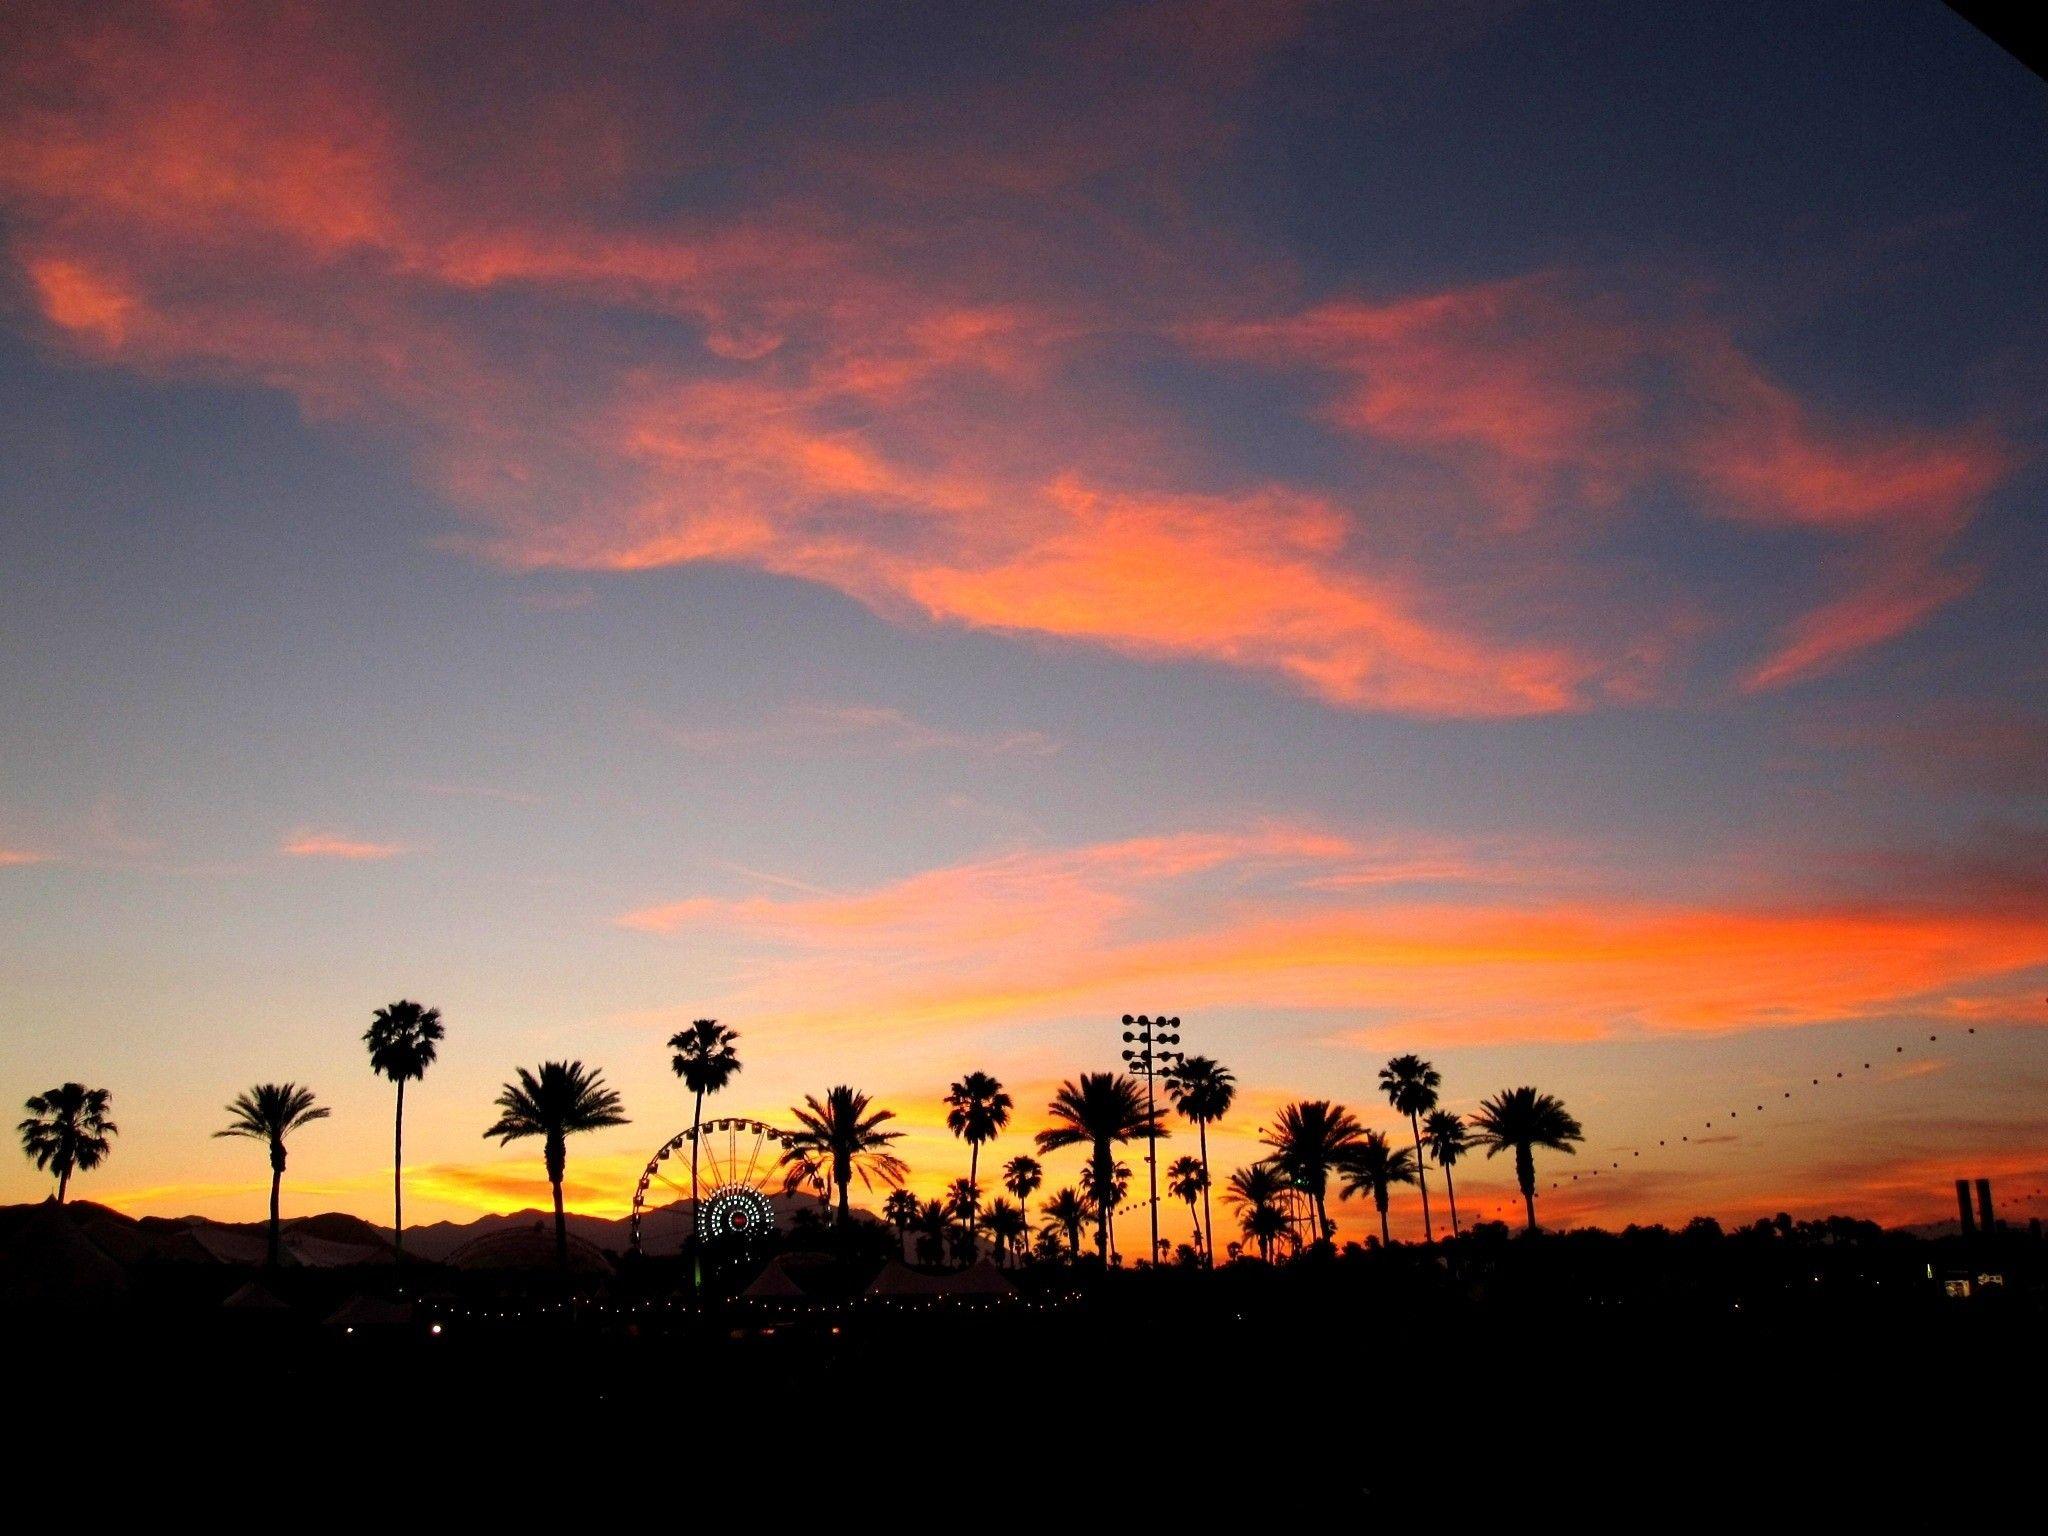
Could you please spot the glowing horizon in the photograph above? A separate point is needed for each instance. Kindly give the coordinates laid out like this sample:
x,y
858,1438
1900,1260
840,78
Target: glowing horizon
x,y
1366,527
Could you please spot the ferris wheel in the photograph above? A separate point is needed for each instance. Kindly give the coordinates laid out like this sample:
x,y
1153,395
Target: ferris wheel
x,y
739,1164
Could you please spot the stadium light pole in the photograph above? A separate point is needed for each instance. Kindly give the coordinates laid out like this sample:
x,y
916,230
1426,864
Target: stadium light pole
x,y
1143,1037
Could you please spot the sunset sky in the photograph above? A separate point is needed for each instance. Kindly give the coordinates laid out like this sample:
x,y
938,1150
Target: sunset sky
x,y
1511,532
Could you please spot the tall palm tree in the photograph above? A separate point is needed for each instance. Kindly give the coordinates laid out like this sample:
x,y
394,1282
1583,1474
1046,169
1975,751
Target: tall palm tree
x,y
1203,1092
1021,1177
844,1133
1099,1110
706,1060
902,1211
403,1039
1410,1084
1374,1166
1309,1139
67,1131
976,1109
1006,1227
269,1113
1444,1134
1259,1193
1522,1119
1065,1212
1187,1179
564,1099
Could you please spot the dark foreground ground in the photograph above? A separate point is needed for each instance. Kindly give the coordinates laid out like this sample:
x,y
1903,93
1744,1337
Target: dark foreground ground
x,y
1332,1390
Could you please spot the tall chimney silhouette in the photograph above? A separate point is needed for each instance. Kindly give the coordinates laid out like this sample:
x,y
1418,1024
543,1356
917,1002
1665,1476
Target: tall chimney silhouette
x,y
1984,1206
1963,1205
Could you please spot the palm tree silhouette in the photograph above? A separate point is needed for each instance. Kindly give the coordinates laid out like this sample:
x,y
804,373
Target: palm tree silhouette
x,y
1410,1084
403,1039
1259,1193
1021,1177
1202,1091
843,1133
1374,1166
1522,1119
902,1210
1064,1213
1444,1134
706,1060
1101,1109
269,1113
67,1131
932,1223
1310,1138
963,1205
1104,1196
564,1099
976,1109
1006,1228
1187,1179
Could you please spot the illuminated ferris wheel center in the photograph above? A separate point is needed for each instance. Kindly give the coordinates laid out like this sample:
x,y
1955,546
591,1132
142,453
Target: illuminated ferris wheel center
x,y
738,1161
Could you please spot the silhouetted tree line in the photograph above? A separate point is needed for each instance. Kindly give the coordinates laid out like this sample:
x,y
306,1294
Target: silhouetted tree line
x,y
1280,1203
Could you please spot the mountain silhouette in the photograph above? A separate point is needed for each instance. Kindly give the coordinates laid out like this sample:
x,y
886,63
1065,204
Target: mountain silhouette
x,y
81,1249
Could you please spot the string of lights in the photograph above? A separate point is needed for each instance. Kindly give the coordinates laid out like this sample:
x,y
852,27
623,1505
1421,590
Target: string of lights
x,y
776,1307
1627,1157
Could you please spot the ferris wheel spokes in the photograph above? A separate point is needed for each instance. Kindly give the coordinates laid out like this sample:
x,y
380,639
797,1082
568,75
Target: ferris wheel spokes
x,y
737,1160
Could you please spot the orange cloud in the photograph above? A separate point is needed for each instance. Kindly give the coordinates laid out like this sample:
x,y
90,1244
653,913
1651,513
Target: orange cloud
x,y
81,300
1272,921
321,845
1553,404
17,858
825,378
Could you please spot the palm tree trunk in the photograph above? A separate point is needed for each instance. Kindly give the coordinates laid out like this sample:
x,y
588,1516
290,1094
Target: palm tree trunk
x,y
398,1176
63,1182
1386,1236
1451,1189
842,1171
276,1180
1525,1175
973,1183
696,1258
1208,1221
1105,1178
1323,1233
556,1155
1421,1178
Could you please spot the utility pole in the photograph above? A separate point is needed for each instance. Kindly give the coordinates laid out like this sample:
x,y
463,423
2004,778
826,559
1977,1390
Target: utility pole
x,y
1148,1062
